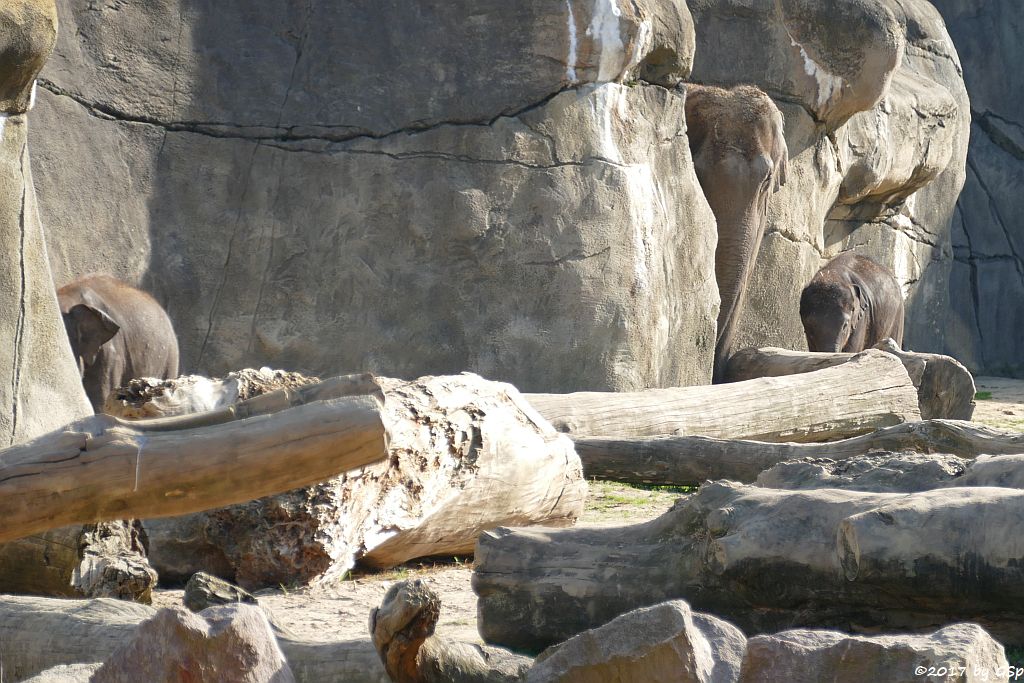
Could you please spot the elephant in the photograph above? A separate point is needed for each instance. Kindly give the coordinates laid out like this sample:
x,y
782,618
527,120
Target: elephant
x,y
738,143
851,304
117,333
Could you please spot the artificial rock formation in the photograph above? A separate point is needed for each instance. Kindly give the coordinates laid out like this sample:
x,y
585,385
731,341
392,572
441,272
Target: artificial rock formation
x,y
877,123
504,205
39,384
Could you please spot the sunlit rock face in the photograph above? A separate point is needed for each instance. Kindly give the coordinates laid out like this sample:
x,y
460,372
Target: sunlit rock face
x,y
335,186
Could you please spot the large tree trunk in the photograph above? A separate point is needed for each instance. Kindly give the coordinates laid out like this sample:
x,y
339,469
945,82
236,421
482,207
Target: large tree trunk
x,y
870,391
767,559
687,460
104,560
39,633
945,388
430,464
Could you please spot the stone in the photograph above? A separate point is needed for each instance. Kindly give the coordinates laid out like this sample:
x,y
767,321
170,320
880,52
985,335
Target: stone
x,y
987,288
66,673
205,590
665,643
339,187
963,653
877,123
225,643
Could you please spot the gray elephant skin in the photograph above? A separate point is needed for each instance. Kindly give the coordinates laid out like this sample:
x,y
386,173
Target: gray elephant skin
x,y
851,304
117,333
737,138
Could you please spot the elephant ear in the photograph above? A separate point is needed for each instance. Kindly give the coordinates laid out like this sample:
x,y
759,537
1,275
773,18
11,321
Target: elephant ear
x,y
94,329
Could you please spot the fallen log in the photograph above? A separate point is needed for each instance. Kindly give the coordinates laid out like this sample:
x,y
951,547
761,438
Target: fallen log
x,y
40,633
689,460
104,560
767,559
870,391
428,465
945,388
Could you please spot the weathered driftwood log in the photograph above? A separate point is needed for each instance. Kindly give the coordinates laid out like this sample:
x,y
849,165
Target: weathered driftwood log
x,y
945,388
39,633
104,560
687,460
767,559
101,468
402,631
871,391
464,455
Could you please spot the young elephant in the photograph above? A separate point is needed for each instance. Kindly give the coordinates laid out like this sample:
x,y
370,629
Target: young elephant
x,y
851,304
117,333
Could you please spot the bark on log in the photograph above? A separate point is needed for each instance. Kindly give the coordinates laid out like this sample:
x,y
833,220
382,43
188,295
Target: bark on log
x,y
430,464
103,560
871,391
402,631
945,388
502,464
39,633
689,460
766,560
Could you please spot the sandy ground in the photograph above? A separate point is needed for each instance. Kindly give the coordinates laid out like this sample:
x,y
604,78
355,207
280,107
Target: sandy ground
x,y
339,611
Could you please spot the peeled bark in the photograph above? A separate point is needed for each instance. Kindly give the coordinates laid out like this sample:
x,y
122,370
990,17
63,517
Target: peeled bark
x,y
870,391
104,560
39,633
688,460
945,388
767,559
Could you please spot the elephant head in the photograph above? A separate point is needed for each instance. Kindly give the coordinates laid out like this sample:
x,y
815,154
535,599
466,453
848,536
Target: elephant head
x,y
738,143
833,315
88,328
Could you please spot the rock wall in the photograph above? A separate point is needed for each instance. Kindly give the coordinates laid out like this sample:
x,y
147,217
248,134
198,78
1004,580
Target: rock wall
x,y
341,186
877,122
988,240
39,385
500,187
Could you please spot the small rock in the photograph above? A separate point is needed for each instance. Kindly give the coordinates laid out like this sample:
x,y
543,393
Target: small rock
x,y
223,644
66,673
962,652
664,643
206,590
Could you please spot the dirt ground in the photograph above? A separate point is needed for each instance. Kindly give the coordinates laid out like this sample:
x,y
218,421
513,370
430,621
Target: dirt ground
x,y
339,611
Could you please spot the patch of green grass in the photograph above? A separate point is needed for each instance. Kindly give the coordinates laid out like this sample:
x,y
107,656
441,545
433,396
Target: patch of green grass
x,y
663,488
983,396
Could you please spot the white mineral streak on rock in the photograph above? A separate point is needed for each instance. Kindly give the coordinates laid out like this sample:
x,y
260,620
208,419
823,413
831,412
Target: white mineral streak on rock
x,y
3,122
570,61
828,84
642,45
604,29
32,95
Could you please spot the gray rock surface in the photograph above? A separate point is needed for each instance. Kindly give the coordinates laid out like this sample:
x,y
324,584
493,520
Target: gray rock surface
x,y
877,120
39,385
882,472
987,289
339,186
963,653
227,643
665,643
66,673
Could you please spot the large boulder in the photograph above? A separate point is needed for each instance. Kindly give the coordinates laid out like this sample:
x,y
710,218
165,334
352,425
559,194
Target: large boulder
x,y
666,643
961,653
334,186
877,122
225,643
39,385
987,289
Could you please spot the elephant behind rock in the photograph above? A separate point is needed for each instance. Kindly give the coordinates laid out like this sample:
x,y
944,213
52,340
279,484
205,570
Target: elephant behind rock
x,y
117,333
737,138
851,304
